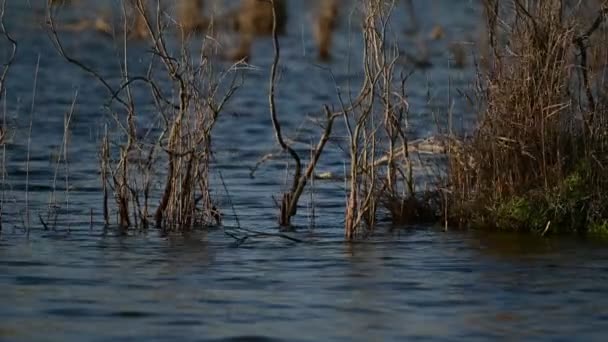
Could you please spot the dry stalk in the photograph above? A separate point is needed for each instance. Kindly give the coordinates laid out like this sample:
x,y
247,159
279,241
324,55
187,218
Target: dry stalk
x,y
376,123
105,172
29,143
362,125
62,155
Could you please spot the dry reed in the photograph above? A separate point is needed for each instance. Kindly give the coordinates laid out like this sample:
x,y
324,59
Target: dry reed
x,y
536,157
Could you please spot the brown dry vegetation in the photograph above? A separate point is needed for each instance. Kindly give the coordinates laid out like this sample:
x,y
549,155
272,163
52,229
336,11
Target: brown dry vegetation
x,y
182,144
538,156
534,162
376,123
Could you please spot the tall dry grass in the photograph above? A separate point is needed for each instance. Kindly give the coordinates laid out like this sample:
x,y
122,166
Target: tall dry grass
x,y
537,158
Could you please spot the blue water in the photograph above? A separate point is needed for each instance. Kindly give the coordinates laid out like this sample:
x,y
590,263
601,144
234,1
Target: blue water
x,y
78,281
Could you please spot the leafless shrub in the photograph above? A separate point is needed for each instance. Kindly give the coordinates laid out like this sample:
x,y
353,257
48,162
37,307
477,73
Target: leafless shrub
x,y
362,123
181,144
381,165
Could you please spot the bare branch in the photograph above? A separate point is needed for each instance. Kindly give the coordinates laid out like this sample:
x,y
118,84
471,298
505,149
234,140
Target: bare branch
x,y
271,98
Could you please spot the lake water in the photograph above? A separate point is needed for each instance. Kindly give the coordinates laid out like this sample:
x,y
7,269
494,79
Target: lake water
x,y
81,281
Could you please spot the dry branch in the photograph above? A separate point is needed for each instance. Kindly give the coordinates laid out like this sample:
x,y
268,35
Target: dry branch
x,y
290,199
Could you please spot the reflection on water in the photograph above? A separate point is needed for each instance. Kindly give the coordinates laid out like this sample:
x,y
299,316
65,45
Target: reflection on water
x,y
413,283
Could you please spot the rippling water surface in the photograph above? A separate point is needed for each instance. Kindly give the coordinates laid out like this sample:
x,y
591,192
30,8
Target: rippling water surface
x,y
79,280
